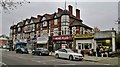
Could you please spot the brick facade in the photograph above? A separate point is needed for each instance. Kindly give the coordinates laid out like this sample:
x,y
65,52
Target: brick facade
x,y
74,21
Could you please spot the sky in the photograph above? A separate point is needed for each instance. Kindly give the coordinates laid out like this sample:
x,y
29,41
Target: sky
x,y
101,13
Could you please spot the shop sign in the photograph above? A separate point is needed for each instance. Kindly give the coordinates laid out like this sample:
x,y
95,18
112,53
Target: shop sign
x,y
83,36
108,41
63,38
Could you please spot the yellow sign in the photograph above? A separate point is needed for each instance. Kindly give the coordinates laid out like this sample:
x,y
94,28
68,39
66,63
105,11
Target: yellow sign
x,y
107,41
83,36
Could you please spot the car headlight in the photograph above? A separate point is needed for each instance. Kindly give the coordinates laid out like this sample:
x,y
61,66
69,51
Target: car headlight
x,y
76,55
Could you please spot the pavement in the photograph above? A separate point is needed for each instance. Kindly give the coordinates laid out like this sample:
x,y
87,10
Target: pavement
x,y
102,60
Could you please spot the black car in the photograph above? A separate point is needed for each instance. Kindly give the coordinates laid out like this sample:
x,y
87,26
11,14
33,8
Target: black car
x,y
22,50
40,51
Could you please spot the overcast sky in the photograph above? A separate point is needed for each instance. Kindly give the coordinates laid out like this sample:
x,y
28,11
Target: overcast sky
x,y
94,14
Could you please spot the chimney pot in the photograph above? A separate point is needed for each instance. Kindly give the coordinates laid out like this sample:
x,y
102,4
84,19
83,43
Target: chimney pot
x,y
59,10
70,9
77,13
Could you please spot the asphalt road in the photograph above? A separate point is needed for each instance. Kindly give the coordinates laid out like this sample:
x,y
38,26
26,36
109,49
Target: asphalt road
x,y
11,58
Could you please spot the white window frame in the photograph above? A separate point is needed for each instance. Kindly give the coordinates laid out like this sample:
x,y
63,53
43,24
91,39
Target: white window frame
x,y
44,23
73,30
65,18
55,32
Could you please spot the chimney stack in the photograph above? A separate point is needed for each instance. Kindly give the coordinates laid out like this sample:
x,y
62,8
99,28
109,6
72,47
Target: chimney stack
x,y
70,10
77,13
59,10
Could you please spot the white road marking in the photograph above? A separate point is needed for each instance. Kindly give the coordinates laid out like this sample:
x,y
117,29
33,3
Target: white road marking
x,y
106,64
65,64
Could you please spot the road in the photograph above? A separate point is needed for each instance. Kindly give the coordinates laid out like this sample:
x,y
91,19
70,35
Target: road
x,y
11,58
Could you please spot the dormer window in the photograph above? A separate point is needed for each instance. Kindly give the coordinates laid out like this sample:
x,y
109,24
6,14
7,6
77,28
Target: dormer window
x,y
31,21
18,29
44,23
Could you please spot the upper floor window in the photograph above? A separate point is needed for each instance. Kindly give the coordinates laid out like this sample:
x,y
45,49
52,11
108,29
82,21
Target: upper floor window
x,y
81,30
32,35
55,22
31,21
55,32
65,30
18,29
73,30
65,18
44,23
27,22
37,26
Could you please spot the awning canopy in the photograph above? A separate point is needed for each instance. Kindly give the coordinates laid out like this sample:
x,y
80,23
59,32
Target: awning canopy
x,y
20,43
42,40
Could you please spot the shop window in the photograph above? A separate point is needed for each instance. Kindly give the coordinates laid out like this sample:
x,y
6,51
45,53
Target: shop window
x,y
79,45
86,46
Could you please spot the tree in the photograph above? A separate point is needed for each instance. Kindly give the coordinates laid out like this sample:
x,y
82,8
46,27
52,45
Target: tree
x,y
96,29
11,4
118,41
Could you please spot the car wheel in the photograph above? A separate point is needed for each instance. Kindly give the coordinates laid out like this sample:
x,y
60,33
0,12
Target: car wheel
x,y
21,52
80,59
16,51
27,52
57,56
40,54
70,57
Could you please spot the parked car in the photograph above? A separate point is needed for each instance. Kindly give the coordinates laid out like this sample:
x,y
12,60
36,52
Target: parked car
x,y
68,54
22,50
5,47
40,51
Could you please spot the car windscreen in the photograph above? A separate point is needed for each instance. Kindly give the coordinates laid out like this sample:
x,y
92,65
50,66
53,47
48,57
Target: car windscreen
x,y
69,50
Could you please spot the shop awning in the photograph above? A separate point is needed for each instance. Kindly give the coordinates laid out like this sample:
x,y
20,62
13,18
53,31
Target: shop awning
x,y
20,43
42,40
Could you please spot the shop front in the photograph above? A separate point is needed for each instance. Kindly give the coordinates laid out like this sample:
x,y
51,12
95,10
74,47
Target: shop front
x,y
105,44
84,42
42,42
31,43
106,40
62,42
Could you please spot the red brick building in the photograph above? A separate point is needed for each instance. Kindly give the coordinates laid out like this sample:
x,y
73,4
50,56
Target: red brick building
x,y
57,29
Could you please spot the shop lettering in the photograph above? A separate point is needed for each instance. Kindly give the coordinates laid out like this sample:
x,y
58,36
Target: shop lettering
x,y
62,38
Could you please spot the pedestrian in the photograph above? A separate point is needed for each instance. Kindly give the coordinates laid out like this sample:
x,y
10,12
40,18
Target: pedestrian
x,y
98,50
82,52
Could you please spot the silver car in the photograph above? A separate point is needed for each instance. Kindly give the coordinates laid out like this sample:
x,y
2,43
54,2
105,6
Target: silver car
x,y
68,54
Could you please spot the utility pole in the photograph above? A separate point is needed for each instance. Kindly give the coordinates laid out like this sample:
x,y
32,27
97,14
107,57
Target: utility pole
x,y
118,22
